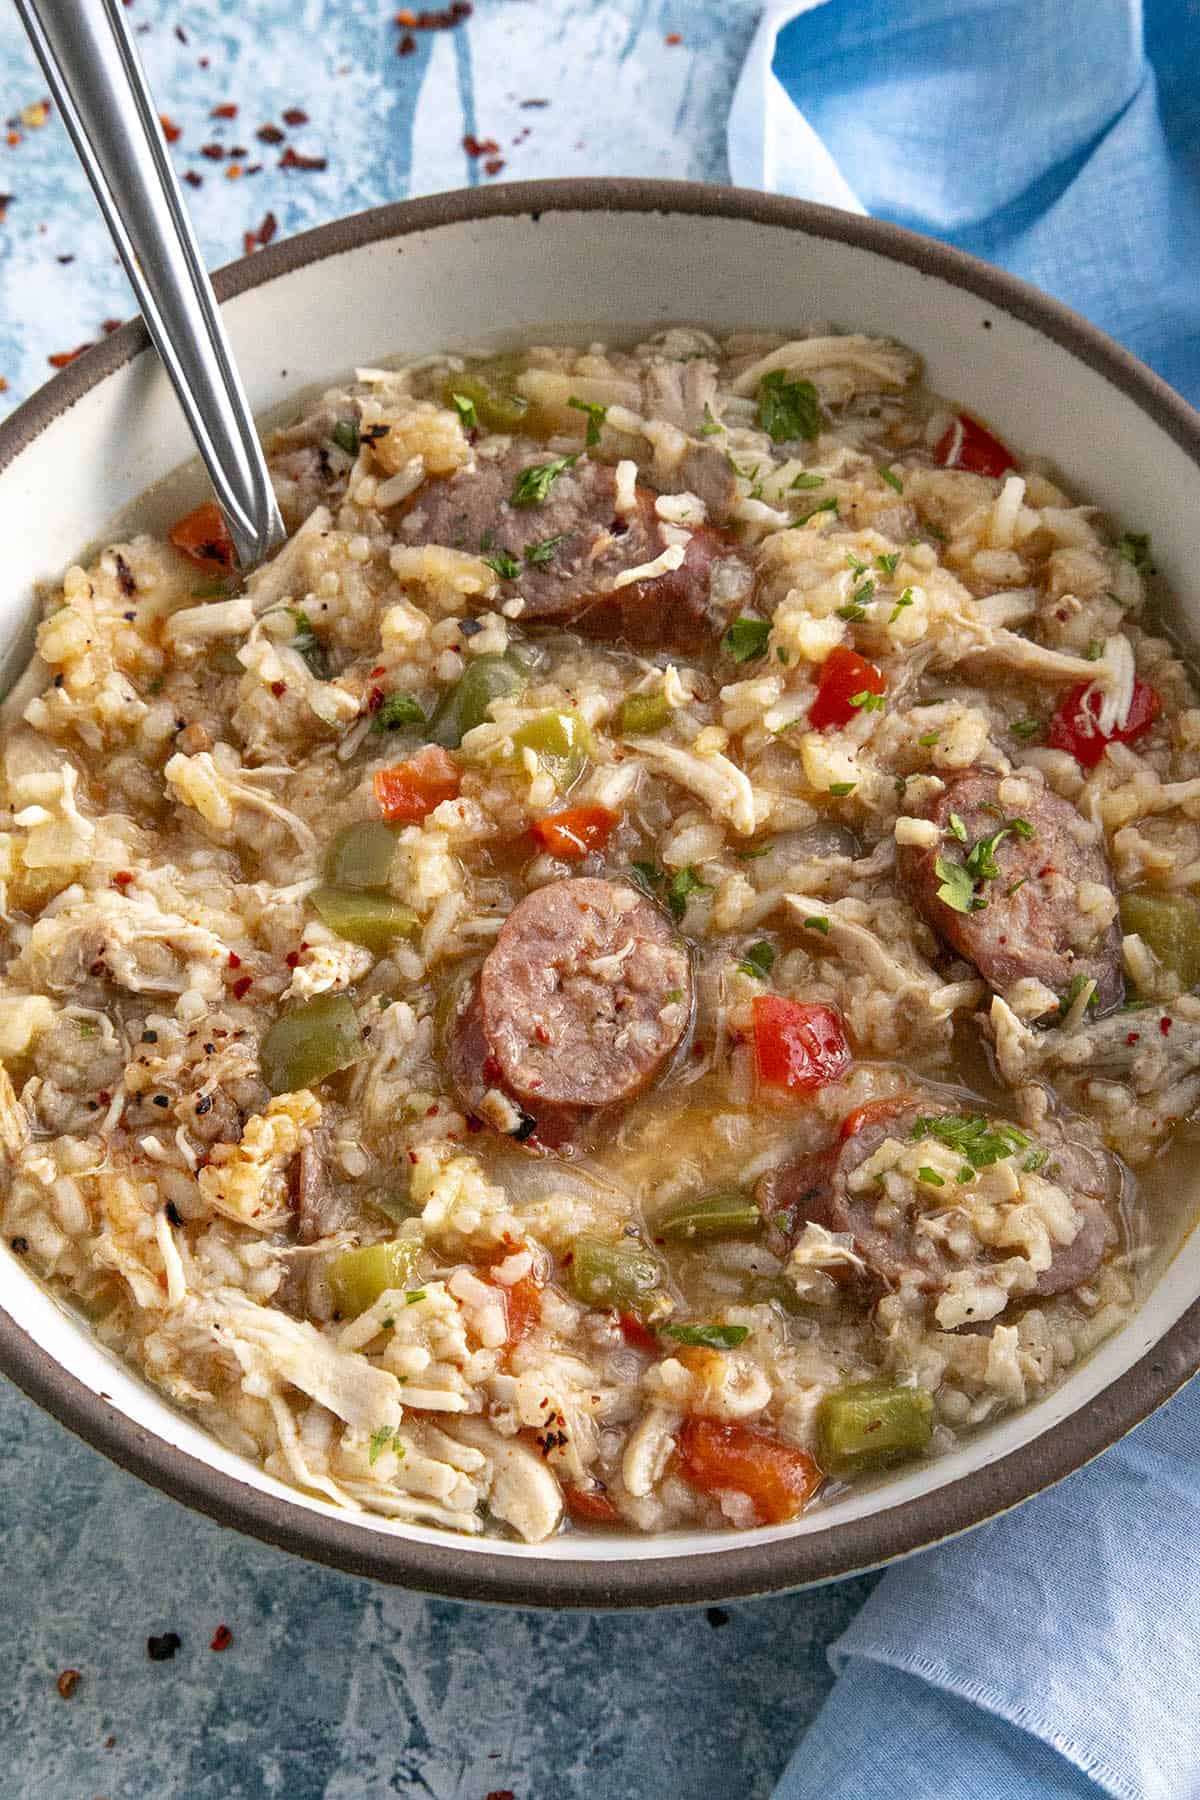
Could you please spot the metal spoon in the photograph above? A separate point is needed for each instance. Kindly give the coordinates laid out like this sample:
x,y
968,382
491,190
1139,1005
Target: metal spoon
x,y
99,86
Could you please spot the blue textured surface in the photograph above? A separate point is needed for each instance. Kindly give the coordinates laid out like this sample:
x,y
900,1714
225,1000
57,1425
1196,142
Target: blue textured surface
x,y
332,1687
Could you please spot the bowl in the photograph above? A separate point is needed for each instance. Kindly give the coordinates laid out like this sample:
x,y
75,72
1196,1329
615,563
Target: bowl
x,y
606,259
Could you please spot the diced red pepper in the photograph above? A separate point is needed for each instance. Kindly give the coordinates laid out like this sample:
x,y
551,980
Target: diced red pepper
x,y
410,790
575,832
717,1454
970,445
798,1044
639,1336
523,1302
854,1121
591,1506
844,674
1074,726
204,537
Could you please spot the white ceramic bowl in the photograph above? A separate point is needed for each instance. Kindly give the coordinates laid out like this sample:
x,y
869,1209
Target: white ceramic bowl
x,y
574,260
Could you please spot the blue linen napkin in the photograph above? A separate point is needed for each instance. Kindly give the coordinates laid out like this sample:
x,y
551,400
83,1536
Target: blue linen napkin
x,y
1051,1655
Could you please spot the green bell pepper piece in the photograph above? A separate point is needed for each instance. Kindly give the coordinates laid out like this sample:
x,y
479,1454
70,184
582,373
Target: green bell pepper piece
x,y
624,1275
642,714
364,918
358,1277
466,704
1168,924
716,1216
562,743
871,1424
491,387
360,856
312,1041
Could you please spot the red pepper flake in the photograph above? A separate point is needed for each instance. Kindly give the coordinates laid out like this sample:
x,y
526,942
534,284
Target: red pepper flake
x,y
181,34
67,1682
242,986
292,159
3,384
278,688
61,358
222,1637
270,134
531,103
170,130
292,959
13,139
673,37
407,45
65,259
479,146
122,878
193,177
294,115
233,170
214,152
375,699
1164,1025
35,115
227,110
494,164
501,1794
235,961
1134,1037
108,326
6,201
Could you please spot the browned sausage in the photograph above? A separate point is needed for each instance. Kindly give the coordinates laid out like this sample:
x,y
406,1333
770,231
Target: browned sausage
x,y
792,1196
584,996
892,1246
582,546
1027,919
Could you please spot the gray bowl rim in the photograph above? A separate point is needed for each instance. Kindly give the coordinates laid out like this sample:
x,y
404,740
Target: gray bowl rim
x,y
529,1580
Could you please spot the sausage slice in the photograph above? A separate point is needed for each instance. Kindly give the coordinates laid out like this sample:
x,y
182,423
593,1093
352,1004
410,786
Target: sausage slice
x,y
892,1245
585,995
1028,917
571,548
817,1187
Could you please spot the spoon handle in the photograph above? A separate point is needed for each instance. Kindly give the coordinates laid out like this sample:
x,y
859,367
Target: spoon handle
x,y
98,84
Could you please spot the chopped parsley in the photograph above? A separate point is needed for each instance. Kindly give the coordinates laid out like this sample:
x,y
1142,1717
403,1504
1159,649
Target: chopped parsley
x,y
788,409
826,506
929,739
711,425
958,828
852,612
345,436
839,789
929,1176
805,480
1026,729
533,484
412,1297
465,408
1134,547
888,564
754,852
596,416
746,639
855,565
308,645
965,1174
1095,650
397,710
817,923
888,474
978,1140
385,1438
957,888
1078,983
646,875
709,1337
866,701
538,555
682,884
906,599
1037,1159
758,961
507,567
